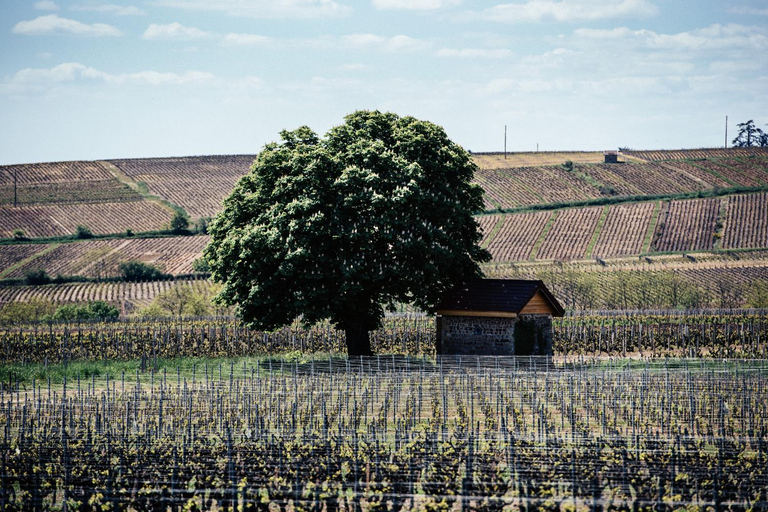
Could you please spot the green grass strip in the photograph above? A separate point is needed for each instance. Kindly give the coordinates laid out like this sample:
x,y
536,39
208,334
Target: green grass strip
x,y
25,261
544,233
651,228
720,224
142,189
494,231
596,234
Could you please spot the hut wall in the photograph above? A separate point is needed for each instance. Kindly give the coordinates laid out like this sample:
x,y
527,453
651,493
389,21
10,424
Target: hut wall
x,y
473,335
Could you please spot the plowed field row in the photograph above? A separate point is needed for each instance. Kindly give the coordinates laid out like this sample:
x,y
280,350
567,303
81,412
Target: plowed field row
x,y
502,191
691,154
746,222
12,254
101,218
729,173
518,235
706,178
548,183
101,258
197,184
128,295
687,226
53,172
624,230
487,223
95,191
570,234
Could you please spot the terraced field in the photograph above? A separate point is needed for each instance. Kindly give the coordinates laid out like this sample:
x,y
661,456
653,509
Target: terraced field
x,y
570,234
101,258
197,184
625,230
746,223
518,235
101,218
687,225
693,154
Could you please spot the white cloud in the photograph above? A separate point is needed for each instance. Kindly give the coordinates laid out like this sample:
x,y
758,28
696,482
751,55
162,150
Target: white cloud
x,y
53,24
714,37
263,8
353,67
46,5
475,53
118,10
245,40
41,79
748,11
399,43
415,5
174,32
567,10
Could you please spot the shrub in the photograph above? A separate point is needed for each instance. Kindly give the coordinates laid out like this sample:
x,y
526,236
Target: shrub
x,y
140,271
201,225
568,165
201,265
129,232
19,234
180,223
83,231
97,310
24,312
35,277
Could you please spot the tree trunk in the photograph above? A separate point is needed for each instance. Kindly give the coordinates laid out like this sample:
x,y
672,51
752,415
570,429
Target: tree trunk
x,y
358,341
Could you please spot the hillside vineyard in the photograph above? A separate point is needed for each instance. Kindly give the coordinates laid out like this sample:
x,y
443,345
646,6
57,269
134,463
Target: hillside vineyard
x,y
540,207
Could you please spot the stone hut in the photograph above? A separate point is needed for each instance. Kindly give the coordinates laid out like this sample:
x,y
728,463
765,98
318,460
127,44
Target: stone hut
x,y
497,317
611,157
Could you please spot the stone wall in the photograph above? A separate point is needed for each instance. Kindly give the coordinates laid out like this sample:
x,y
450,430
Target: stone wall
x,y
476,335
472,335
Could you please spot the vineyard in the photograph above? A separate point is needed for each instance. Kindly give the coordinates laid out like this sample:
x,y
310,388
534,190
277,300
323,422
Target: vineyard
x,y
745,224
695,154
517,236
687,225
101,218
101,258
197,184
570,234
129,296
624,230
393,433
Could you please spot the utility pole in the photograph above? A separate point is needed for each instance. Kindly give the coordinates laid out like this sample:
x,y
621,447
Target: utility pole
x,y
726,131
505,142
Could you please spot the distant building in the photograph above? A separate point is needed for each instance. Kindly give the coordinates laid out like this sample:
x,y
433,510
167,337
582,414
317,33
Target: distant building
x,y
611,157
497,317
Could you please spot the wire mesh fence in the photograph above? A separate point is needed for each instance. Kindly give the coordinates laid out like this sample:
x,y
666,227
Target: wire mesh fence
x,y
393,432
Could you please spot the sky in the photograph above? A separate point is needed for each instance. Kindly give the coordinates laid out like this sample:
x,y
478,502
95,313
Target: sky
x,y
93,79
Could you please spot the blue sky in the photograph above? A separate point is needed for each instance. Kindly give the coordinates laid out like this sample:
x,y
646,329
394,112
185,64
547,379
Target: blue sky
x,y
90,79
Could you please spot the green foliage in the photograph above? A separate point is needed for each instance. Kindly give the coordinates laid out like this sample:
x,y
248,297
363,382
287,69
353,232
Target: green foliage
x,y
757,295
19,234
32,310
182,300
201,266
568,166
201,225
140,271
97,310
129,232
36,277
378,212
83,231
749,135
179,223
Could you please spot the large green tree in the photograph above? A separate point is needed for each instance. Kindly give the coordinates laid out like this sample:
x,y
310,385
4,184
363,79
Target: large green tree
x,y
377,212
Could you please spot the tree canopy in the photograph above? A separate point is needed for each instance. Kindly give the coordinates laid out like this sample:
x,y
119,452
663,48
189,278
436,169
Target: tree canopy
x,y
377,212
750,135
